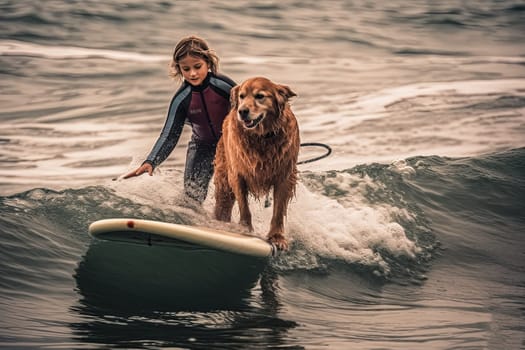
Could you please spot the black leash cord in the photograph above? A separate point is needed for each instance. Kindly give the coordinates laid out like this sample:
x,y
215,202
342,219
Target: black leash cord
x,y
315,144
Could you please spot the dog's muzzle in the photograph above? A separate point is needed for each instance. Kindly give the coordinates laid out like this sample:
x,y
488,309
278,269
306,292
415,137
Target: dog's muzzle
x,y
244,116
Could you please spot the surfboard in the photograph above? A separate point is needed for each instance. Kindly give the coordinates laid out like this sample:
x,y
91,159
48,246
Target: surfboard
x,y
149,232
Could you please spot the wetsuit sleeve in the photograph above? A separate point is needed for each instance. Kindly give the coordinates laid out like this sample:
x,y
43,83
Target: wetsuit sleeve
x,y
172,129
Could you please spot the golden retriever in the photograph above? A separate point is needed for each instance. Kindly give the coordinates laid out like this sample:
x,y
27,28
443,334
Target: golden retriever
x,y
258,151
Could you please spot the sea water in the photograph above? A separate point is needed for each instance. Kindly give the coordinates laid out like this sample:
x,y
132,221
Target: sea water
x,y
408,236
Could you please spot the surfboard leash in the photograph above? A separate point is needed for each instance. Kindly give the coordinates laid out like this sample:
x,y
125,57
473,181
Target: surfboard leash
x,y
316,144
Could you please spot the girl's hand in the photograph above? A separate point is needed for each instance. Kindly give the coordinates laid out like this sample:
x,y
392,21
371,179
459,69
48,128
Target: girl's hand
x,y
146,167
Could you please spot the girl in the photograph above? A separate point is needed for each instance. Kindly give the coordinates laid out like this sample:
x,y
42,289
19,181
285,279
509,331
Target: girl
x,y
202,101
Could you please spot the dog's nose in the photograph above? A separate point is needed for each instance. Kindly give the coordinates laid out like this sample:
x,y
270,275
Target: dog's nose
x,y
244,113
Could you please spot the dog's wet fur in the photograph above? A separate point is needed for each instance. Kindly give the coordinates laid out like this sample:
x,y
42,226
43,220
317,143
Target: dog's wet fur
x,y
258,152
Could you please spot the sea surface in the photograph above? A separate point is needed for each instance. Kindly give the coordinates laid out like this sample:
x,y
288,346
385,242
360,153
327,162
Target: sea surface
x,y
410,235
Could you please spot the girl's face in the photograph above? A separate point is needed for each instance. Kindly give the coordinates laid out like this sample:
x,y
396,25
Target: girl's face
x,y
194,69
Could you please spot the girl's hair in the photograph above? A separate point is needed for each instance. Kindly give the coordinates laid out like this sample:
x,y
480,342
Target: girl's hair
x,y
193,46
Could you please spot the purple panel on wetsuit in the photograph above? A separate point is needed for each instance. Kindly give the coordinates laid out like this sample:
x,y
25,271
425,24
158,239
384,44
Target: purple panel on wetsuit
x,y
206,118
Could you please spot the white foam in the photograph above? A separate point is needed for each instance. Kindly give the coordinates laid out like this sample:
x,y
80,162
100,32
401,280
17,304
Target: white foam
x,y
353,230
379,101
414,120
350,228
20,48
401,166
350,110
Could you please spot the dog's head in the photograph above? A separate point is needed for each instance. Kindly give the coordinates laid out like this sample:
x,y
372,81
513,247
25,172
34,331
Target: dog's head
x,y
259,103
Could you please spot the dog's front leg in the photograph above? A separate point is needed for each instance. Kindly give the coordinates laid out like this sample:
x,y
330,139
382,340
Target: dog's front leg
x,y
224,204
241,194
224,197
281,198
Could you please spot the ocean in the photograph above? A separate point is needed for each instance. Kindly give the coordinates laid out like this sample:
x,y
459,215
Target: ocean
x,y
408,236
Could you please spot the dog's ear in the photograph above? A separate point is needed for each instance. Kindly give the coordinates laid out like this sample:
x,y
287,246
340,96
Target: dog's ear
x,y
234,96
285,92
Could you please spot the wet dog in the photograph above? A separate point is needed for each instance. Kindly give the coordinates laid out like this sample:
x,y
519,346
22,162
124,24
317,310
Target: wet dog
x,y
258,152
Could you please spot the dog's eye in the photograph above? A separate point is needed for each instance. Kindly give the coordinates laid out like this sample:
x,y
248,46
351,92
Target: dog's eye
x,y
259,96
241,96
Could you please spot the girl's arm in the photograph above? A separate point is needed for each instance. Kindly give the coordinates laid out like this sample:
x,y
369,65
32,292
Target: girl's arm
x,y
169,135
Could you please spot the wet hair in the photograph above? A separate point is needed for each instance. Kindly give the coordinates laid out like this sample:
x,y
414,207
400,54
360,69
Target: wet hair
x,y
196,47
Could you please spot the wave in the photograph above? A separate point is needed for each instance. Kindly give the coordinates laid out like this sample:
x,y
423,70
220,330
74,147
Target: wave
x,y
382,221
489,187
423,51
20,48
463,16
25,48
376,238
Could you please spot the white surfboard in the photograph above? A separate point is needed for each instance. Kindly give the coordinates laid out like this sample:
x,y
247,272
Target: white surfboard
x,y
150,232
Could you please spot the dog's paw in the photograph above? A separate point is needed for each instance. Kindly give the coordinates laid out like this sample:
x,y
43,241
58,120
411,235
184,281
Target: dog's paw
x,y
247,224
278,241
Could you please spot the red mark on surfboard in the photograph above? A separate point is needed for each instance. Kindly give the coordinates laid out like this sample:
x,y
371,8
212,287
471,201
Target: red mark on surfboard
x,y
131,224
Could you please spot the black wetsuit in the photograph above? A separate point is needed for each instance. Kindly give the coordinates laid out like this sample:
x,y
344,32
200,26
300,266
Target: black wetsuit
x,y
204,107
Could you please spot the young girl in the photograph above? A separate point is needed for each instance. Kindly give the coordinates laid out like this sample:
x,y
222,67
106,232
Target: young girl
x,y
202,101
